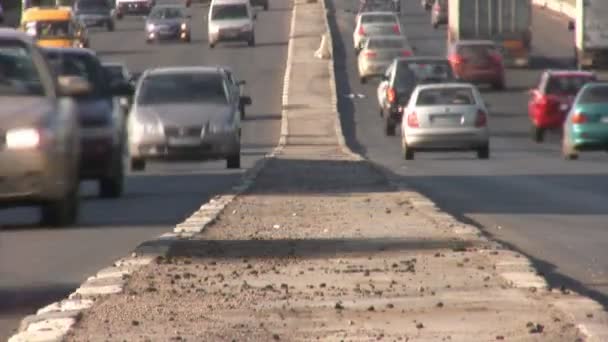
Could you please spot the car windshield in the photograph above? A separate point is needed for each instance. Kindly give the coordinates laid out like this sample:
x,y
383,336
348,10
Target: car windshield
x,y
76,64
445,97
182,88
476,50
18,73
378,18
167,13
49,29
594,94
92,6
378,44
569,85
226,12
409,73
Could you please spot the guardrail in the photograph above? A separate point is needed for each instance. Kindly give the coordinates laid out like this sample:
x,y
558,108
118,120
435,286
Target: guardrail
x,y
565,7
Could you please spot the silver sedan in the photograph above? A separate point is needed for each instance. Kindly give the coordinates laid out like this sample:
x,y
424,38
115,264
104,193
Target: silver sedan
x,y
445,117
185,113
378,53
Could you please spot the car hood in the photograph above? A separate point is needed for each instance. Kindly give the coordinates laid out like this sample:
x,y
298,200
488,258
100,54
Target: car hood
x,y
230,23
21,111
185,114
169,22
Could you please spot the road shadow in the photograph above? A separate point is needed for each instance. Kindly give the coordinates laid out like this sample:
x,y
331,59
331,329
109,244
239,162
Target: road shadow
x,y
109,53
263,117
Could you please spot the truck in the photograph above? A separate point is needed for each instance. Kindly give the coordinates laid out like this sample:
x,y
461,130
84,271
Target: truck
x,y
590,33
507,22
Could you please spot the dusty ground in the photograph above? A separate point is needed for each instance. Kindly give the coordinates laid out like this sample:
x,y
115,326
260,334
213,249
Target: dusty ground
x,y
312,256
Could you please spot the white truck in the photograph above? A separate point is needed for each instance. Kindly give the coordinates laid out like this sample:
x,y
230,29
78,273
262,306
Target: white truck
x,y
591,33
507,22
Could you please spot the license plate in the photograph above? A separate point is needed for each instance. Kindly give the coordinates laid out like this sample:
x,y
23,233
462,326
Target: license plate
x,y
230,33
180,142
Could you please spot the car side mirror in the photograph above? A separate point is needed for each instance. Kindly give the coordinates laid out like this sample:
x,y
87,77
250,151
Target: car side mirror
x,y
384,78
571,25
246,101
73,86
121,89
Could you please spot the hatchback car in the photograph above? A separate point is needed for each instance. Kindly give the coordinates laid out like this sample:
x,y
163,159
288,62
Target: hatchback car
x,y
168,22
185,113
101,117
378,53
375,24
551,99
439,13
445,117
478,61
231,20
586,126
39,147
94,13
401,78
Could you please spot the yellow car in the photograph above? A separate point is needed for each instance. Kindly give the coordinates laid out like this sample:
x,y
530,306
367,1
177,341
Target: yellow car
x,y
54,27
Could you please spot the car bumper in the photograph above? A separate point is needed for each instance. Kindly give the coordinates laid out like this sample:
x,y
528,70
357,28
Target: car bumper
x,y
173,35
230,37
590,137
550,120
29,177
95,22
215,146
375,69
448,139
481,76
98,154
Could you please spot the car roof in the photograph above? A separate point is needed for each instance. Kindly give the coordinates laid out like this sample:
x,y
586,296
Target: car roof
x,y
70,51
422,58
475,42
115,64
161,6
387,37
446,85
595,84
229,2
183,70
570,73
12,34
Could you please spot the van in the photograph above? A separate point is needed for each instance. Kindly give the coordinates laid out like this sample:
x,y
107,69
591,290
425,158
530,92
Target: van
x,y
54,27
231,20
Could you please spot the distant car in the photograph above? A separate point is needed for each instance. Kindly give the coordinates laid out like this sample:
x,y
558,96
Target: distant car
x,y
427,4
39,146
400,80
445,117
439,13
373,24
133,7
374,6
377,54
551,99
260,3
94,13
478,61
185,113
101,117
168,22
231,20
586,126
118,74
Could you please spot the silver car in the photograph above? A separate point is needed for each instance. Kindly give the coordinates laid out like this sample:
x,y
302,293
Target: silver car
x,y
375,24
378,53
231,20
445,117
185,113
39,135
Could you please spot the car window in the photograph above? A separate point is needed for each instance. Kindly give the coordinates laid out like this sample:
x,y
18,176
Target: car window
x,y
231,11
386,44
410,73
378,18
19,75
569,85
445,96
49,29
78,64
594,94
92,5
183,88
167,13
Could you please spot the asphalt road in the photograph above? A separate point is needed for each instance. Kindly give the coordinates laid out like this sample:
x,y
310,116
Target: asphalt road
x,y
39,266
526,195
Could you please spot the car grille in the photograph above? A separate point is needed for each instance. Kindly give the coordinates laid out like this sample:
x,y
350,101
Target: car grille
x,y
185,131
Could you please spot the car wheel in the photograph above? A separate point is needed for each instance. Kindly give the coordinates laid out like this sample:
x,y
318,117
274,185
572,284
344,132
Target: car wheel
x,y
187,39
568,152
138,164
110,26
112,187
119,16
381,112
211,45
61,212
251,41
499,85
389,126
538,134
242,110
363,79
483,152
234,161
408,153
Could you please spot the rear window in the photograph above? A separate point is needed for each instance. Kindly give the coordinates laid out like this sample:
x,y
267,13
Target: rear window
x,y
231,11
478,50
167,13
594,94
386,44
183,88
566,84
445,96
378,18
410,73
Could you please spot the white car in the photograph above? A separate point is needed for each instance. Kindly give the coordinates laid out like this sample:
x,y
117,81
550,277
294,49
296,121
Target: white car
x,y
378,53
375,24
445,117
231,20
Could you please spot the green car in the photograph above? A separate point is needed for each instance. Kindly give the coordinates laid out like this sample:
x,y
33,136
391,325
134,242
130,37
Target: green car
x,y
586,127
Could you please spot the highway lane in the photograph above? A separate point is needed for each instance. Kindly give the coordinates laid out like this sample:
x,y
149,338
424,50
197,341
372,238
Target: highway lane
x,y
38,266
526,195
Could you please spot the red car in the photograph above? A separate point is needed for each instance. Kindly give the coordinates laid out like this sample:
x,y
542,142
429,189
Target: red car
x,y
551,99
477,61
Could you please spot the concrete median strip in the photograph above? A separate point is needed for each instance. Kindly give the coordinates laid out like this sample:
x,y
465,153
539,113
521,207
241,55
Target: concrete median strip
x,y
318,243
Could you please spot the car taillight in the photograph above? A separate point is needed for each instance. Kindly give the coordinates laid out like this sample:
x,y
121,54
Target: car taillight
x,y
406,53
361,31
391,96
482,119
457,59
396,28
579,118
370,54
412,120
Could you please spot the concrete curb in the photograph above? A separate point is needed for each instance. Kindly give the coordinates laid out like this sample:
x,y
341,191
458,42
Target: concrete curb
x,y
516,269
54,321
557,6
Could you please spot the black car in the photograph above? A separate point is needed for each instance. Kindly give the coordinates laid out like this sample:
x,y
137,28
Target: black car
x,y
260,3
94,13
400,80
101,117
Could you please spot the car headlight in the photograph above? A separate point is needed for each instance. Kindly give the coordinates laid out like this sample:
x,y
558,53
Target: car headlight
x,y
23,138
143,127
184,27
150,27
